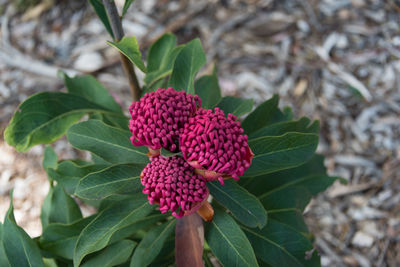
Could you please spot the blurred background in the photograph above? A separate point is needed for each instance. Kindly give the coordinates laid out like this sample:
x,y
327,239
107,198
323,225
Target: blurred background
x,y
333,60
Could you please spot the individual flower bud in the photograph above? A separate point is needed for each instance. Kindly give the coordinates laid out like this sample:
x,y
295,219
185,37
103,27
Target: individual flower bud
x,y
157,119
215,145
172,183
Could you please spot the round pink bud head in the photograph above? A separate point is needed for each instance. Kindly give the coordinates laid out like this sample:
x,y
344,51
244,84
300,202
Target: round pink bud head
x,y
172,183
215,145
157,119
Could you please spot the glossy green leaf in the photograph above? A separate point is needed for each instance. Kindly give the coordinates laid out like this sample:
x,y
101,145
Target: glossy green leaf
x,y
114,180
45,117
60,239
109,143
244,206
4,262
302,125
279,244
63,207
50,158
207,88
151,244
236,106
166,257
19,248
130,48
292,188
127,4
112,255
68,173
264,114
159,50
99,232
102,14
88,87
274,153
45,209
188,62
228,242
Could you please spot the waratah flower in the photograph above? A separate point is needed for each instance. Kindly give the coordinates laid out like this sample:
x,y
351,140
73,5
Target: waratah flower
x,y
158,118
215,145
172,183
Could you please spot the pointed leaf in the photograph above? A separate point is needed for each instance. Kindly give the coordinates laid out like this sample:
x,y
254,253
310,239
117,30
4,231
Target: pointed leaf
x,y
99,232
274,153
68,173
301,126
117,179
4,262
151,244
158,52
130,48
63,208
188,62
244,206
236,106
20,249
109,143
264,114
60,239
102,14
126,7
112,255
207,88
45,117
278,244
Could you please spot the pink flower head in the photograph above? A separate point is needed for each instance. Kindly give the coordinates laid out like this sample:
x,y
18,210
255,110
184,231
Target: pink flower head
x,y
215,145
158,118
172,183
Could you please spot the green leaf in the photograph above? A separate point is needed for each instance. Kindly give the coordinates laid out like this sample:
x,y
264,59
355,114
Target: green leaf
x,y
117,179
166,153
63,208
60,239
109,143
302,125
68,173
50,158
207,88
46,207
292,188
279,244
227,241
19,248
99,232
264,114
159,51
112,255
236,106
188,62
151,244
274,153
130,48
102,14
88,87
4,262
244,206
164,68
126,6
45,117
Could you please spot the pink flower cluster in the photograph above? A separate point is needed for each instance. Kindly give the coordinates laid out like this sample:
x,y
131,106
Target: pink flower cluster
x,y
172,183
213,148
216,144
158,118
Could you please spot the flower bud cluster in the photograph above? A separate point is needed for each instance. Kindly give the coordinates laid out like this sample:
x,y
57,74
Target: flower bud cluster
x,y
171,182
213,148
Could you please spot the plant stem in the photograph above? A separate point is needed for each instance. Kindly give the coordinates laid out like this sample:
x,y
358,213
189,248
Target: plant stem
x,y
118,31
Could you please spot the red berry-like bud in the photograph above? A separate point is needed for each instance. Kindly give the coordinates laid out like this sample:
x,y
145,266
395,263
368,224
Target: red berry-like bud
x,y
172,183
215,145
157,119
